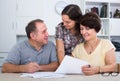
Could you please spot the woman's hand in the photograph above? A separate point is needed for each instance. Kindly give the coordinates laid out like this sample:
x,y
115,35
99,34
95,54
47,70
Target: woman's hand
x,y
90,70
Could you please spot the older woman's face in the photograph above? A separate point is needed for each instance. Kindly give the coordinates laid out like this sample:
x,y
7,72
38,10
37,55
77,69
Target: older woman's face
x,y
87,33
67,22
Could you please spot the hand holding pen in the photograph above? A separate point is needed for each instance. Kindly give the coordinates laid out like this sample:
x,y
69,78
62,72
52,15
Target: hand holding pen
x,y
90,70
31,67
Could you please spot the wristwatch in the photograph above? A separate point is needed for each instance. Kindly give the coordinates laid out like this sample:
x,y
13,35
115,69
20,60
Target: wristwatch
x,y
59,6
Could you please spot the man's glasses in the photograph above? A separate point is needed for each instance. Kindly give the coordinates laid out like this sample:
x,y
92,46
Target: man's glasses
x,y
116,73
110,73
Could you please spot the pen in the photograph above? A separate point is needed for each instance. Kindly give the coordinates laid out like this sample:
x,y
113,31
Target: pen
x,y
29,60
89,66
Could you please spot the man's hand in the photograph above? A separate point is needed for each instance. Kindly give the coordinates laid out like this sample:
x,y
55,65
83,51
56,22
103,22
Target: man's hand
x,y
31,67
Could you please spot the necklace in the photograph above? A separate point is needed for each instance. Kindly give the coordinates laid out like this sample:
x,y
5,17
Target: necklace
x,y
91,47
90,50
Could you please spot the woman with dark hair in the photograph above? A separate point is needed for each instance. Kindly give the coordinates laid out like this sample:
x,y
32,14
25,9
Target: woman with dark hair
x,y
100,53
67,32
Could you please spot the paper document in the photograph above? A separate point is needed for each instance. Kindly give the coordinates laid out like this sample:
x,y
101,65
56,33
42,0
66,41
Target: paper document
x,y
43,75
71,65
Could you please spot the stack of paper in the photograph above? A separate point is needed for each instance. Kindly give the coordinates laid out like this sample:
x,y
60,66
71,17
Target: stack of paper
x,y
43,75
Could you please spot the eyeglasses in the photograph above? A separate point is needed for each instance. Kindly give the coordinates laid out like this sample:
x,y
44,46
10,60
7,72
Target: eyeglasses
x,y
110,73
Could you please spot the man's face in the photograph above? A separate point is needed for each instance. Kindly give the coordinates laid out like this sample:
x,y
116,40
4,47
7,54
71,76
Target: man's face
x,y
41,34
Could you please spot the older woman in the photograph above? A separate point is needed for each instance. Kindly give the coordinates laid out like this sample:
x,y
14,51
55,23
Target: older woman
x,y
100,53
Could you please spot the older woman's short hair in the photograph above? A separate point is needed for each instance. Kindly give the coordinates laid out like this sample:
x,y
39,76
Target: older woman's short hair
x,y
91,20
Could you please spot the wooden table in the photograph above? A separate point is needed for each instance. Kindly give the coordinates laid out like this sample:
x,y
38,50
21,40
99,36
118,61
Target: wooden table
x,y
98,77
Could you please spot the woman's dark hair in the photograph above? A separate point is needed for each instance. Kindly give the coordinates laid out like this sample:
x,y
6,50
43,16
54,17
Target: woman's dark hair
x,y
31,27
91,20
74,13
